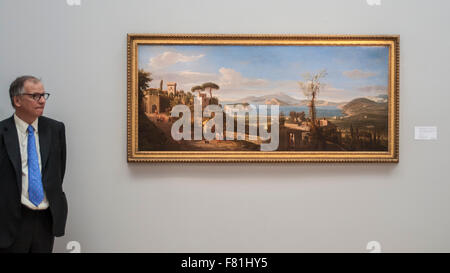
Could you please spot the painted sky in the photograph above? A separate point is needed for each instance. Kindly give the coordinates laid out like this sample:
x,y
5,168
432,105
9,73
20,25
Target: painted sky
x,y
241,71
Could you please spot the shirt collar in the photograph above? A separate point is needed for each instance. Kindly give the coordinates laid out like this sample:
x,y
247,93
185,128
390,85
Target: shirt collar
x,y
23,126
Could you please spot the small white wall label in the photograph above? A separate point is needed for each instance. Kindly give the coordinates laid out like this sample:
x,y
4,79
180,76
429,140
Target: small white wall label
x,y
425,132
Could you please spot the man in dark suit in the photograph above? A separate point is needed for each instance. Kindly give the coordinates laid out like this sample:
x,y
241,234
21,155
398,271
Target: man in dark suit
x,y
33,206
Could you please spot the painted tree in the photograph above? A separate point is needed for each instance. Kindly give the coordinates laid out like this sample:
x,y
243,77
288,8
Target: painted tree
x,y
311,87
210,86
144,79
197,88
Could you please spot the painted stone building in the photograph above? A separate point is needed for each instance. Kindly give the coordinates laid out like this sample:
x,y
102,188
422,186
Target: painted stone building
x,y
152,104
172,88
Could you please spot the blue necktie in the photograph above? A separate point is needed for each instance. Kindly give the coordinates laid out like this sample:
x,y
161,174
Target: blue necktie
x,y
35,190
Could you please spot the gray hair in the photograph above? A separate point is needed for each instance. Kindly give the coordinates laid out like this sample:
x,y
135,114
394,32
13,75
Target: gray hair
x,y
16,87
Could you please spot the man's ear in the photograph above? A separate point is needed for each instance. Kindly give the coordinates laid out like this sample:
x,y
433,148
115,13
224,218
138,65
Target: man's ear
x,y
17,102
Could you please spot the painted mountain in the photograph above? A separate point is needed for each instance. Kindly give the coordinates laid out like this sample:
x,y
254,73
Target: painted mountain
x,y
282,100
364,106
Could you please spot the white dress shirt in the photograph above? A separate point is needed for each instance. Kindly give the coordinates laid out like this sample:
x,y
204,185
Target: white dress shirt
x,y
22,132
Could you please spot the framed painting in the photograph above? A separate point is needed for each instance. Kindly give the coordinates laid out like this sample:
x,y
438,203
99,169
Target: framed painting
x,y
262,98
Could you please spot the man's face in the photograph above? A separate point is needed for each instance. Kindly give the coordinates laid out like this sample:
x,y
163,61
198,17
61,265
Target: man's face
x,y
26,104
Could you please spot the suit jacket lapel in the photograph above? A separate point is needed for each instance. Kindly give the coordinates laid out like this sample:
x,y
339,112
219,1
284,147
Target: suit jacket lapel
x,y
44,142
13,149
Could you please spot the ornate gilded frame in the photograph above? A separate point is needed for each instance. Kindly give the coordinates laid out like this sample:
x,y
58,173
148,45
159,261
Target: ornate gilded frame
x,y
392,41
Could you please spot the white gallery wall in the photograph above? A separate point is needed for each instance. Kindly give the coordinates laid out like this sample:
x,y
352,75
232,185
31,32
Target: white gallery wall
x,y
80,54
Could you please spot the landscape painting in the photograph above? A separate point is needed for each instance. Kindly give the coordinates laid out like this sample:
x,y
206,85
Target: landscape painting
x,y
262,98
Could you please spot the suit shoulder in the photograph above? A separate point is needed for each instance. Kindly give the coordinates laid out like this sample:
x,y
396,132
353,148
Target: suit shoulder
x,y
3,126
51,122
6,122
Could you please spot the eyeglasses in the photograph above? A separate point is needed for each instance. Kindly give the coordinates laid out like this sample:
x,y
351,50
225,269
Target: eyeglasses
x,y
37,96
